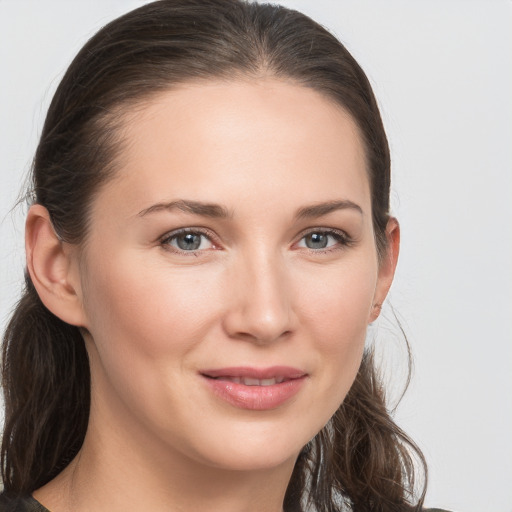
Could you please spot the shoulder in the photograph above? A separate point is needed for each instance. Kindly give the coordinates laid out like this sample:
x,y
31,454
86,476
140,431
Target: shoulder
x,y
20,504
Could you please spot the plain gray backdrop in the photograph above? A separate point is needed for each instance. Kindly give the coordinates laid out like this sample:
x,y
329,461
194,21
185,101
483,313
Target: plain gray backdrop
x,y
442,71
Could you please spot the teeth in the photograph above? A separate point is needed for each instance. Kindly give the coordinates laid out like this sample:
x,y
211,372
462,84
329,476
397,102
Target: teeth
x,y
249,381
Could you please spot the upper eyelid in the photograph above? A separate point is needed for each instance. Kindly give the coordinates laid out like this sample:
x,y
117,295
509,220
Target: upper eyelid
x,y
335,231
344,239
201,231
164,241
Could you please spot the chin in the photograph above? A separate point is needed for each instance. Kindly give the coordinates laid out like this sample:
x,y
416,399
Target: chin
x,y
262,459
254,449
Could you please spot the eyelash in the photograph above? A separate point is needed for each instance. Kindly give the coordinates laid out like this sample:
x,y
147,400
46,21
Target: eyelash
x,y
165,241
342,238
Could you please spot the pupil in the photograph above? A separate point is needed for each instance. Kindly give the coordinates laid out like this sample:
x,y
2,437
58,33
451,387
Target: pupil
x,y
189,242
316,241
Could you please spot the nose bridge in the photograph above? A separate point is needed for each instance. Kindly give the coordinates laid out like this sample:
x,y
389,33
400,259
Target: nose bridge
x,y
261,308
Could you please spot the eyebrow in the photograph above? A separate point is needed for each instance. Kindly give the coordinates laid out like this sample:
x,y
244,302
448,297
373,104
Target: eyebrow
x,y
187,206
220,212
320,209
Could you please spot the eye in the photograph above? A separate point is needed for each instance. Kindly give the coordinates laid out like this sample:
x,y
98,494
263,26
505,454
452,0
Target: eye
x,y
188,241
323,239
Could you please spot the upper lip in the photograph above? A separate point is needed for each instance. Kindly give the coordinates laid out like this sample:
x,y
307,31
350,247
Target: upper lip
x,y
286,372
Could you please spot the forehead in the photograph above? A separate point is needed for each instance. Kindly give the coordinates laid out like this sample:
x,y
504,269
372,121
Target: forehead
x,y
237,141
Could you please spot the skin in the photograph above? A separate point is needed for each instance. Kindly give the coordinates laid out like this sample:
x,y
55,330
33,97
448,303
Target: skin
x,y
253,294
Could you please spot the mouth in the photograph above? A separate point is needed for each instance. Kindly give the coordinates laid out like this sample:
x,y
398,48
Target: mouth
x,y
255,388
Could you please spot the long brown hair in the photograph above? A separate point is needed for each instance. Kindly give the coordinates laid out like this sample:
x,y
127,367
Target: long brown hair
x,y
361,459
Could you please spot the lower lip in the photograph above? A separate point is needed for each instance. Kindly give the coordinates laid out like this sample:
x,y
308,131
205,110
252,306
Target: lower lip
x,y
256,398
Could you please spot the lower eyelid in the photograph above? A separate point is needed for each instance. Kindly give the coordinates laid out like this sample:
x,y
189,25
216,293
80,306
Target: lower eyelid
x,y
165,241
342,242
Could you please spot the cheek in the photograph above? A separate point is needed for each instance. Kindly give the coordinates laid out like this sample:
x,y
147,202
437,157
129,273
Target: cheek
x,y
146,325
148,311
337,314
338,300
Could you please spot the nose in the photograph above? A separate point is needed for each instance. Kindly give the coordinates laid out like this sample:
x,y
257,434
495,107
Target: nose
x,y
260,304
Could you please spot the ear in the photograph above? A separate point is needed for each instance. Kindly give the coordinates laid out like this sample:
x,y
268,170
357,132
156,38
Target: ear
x,y
53,267
387,267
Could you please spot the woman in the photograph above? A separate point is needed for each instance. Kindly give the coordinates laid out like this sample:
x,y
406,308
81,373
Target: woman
x,y
209,239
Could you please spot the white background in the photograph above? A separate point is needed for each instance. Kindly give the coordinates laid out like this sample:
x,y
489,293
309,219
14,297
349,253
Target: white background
x,y
442,71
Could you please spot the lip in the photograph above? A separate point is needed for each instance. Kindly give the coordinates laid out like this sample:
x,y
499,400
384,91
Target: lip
x,y
255,397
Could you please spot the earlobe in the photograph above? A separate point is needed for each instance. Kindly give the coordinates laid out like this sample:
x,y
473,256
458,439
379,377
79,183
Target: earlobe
x,y
387,267
52,269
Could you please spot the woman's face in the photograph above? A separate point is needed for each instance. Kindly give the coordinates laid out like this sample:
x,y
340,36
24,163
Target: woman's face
x,y
230,273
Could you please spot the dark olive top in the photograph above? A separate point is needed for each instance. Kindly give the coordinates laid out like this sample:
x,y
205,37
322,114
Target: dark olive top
x,y
29,504
23,504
